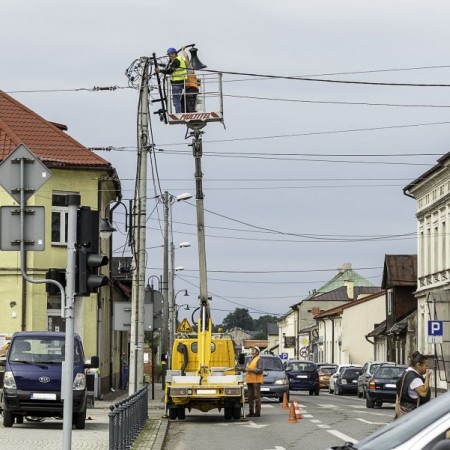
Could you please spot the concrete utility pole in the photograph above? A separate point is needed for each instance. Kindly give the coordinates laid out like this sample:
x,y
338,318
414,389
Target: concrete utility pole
x,y
138,289
165,290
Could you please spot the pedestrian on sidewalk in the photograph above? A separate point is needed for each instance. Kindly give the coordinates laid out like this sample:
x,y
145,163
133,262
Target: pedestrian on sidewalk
x,y
124,364
254,379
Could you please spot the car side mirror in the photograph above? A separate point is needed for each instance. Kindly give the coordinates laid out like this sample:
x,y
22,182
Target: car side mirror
x,y
288,368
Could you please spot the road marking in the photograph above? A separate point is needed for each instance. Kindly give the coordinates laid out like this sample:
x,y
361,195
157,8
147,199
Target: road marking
x,y
371,423
277,447
357,406
316,421
267,406
342,436
324,426
323,405
249,424
307,416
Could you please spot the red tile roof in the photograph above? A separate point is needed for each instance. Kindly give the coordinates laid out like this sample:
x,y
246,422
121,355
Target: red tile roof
x,y
20,125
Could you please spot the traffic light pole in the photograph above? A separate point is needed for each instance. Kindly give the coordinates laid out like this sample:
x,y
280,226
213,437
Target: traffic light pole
x,y
73,202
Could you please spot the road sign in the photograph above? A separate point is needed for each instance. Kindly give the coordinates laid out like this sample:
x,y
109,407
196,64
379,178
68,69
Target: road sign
x,y
35,173
184,327
284,356
435,331
34,228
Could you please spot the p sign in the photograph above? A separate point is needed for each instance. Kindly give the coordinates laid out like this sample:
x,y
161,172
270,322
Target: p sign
x,y
435,331
435,328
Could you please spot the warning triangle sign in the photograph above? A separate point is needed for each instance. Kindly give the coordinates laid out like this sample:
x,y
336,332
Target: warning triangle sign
x,y
184,327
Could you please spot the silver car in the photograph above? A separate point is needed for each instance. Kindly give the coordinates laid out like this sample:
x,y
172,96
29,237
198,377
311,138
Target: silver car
x,y
424,428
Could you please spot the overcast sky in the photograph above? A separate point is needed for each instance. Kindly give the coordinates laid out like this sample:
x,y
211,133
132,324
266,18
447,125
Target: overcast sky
x,y
306,176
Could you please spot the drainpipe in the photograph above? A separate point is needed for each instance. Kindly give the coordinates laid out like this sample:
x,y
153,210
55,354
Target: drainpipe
x,y
332,340
24,296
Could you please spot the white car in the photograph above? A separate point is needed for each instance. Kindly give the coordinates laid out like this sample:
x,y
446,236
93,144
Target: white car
x,y
427,427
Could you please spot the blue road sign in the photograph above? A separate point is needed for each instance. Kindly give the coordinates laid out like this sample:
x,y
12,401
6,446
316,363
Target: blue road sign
x,y
284,356
435,328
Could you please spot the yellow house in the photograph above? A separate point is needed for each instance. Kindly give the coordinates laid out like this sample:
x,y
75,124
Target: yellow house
x,y
75,170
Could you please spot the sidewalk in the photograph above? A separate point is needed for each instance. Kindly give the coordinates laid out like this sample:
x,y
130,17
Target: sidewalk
x,y
154,432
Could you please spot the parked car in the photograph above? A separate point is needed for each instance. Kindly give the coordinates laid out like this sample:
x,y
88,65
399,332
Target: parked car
x,y
303,376
347,381
426,427
382,387
367,371
333,377
275,379
325,372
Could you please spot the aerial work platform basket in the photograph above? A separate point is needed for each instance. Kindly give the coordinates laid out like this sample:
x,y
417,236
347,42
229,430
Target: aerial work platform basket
x,y
208,101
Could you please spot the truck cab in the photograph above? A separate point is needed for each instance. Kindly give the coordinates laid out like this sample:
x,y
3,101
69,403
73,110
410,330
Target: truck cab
x,y
32,377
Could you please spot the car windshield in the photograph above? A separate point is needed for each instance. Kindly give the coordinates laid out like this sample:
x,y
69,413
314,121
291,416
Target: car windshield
x,y
35,350
374,367
272,364
351,373
302,367
328,370
389,372
403,429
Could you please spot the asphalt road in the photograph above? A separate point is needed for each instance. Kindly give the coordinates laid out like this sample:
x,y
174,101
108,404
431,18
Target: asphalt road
x,y
327,420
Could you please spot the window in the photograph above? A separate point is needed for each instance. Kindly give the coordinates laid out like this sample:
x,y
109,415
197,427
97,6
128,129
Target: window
x,y
59,218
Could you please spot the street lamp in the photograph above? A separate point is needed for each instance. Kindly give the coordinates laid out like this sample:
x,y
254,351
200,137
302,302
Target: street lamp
x,y
106,228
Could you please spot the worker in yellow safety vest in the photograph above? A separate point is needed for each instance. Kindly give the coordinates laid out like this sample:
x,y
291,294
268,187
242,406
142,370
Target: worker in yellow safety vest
x,y
254,378
178,73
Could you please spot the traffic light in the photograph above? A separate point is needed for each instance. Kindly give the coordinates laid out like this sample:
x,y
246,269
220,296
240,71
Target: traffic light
x,y
87,279
87,271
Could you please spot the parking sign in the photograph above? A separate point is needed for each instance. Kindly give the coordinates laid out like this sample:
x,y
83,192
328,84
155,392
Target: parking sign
x,y
435,331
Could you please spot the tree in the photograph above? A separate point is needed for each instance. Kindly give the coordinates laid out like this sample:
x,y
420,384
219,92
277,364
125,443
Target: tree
x,y
240,318
260,325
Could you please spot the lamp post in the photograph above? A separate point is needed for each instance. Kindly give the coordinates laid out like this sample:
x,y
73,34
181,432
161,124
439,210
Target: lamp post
x,y
174,315
168,200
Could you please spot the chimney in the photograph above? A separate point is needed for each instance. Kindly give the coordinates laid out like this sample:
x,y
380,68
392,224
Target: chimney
x,y
350,289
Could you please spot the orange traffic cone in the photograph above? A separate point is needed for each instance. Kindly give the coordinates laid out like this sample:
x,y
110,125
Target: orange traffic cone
x,y
292,416
285,401
297,410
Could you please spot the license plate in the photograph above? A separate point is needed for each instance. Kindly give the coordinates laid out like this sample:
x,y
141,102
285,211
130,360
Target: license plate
x,y
40,396
302,376
206,391
390,385
263,389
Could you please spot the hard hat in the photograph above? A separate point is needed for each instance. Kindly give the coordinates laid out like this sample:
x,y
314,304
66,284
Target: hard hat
x,y
256,348
171,50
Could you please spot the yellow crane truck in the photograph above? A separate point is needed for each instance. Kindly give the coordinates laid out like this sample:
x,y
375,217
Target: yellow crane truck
x,y
202,375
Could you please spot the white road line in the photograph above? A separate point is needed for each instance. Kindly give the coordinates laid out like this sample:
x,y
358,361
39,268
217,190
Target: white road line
x,y
371,423
324,426
316,421
323,405
307,416
342,436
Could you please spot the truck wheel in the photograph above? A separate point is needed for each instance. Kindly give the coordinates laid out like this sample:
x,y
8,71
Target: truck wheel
x,y
79,420
236,412
228,412
173,413
181,413
8,419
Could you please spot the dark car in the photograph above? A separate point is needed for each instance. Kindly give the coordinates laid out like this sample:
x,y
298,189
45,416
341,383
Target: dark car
x,y
381,387
347,381
275,380
367,371
303,376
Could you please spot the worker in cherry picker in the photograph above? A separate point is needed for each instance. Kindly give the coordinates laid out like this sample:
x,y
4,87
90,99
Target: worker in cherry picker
x,y
191,87
178,73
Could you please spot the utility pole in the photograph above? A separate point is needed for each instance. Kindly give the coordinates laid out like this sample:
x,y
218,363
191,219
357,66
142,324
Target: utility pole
x,y
165,284
138,288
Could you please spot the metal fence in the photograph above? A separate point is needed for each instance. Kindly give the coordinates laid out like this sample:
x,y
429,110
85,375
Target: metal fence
x,y
126,420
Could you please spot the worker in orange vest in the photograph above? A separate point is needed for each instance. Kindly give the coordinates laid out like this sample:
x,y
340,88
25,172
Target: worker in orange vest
x,y
254,378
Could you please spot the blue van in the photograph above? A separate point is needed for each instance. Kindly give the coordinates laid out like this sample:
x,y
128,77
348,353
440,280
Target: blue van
x,y
32,378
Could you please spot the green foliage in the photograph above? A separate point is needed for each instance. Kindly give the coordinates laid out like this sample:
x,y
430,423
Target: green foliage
x,y
239,318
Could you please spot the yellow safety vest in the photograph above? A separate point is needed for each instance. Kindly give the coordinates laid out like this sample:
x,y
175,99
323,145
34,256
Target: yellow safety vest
x,y
252,377
180,73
